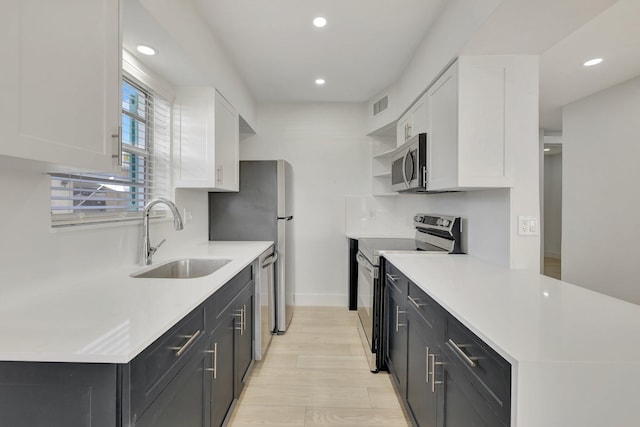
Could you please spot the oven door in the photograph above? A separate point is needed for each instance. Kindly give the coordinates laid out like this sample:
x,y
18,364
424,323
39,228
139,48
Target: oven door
x,y
367,275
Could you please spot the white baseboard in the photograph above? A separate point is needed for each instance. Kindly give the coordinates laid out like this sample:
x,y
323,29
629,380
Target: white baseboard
x,y
323,300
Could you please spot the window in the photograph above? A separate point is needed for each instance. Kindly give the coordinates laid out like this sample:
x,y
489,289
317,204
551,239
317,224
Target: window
x,y
79,198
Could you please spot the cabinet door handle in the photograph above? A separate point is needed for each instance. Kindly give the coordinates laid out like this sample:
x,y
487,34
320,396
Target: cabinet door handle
x,y
417,302
219,174
240,327
214,356
433,373
471,361
185,346
398,313
427,366
244,317
392,277
118,154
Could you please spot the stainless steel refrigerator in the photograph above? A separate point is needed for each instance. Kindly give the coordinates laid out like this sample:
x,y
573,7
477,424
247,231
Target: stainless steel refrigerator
x,y
261,210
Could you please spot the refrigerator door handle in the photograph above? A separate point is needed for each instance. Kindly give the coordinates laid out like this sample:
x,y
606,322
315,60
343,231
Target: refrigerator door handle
x,y
288,218
271,260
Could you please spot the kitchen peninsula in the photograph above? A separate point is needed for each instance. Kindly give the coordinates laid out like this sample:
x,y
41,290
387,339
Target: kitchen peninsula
x,y
573,352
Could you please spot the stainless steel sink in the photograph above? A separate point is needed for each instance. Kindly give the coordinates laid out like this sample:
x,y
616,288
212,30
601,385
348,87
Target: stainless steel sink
x,y
188,268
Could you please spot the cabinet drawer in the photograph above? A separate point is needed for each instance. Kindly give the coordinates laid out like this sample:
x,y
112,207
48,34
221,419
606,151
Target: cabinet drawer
x,y
395,280
219,301
424,305
464,405
484,369
154,368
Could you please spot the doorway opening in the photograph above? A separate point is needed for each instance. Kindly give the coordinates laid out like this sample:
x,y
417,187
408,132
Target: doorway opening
x,y
552,211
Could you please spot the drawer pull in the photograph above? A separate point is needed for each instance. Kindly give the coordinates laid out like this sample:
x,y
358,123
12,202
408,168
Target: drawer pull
x,y
471,361
417,302
392,277
192,338
214,356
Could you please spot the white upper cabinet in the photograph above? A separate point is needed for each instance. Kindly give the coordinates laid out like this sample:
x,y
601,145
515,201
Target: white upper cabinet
x,y
206,140
403,129
468,127
413,122
60,82
227,145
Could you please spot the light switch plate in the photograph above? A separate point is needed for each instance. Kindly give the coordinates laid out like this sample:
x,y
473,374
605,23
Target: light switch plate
x,y
528,226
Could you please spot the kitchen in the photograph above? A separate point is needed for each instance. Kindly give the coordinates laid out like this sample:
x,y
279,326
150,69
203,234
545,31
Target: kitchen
x,y
328,146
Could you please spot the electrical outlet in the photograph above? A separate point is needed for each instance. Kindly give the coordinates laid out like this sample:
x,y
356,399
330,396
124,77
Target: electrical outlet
x,y
527,226
186,216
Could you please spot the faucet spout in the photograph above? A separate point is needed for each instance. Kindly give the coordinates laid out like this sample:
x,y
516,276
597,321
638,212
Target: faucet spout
x,y
147,249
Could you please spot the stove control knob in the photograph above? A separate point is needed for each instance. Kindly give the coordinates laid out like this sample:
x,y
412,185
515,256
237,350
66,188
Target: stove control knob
x,y
418,218
445,222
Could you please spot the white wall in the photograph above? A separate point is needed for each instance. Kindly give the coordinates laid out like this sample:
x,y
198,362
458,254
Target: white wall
x,y
330,156
29,249
485,218
601,189
553,205
523,132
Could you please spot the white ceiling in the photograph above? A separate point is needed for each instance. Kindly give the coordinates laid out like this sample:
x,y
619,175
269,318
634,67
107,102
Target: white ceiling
x,y
368,43
614,36
140,28
279,53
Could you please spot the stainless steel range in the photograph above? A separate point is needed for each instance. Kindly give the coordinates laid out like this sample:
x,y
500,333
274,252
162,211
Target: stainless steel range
x,y
434,234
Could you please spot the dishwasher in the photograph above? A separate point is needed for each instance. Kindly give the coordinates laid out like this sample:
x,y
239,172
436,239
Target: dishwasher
x,y
265,319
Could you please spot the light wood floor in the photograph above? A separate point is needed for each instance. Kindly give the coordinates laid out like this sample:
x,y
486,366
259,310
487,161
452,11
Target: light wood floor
x,y
317,375
552,268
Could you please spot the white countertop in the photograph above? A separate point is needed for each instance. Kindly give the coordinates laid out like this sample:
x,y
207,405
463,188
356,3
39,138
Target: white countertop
x,y
575,353
526,316
107,316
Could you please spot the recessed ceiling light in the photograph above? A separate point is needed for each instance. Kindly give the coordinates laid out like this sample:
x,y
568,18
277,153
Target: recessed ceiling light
x,y
146,50
319,22
547,149
592,62
319,82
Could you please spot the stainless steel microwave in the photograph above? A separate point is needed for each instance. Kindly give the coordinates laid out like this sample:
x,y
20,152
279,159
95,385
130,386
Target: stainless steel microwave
x,y
409,166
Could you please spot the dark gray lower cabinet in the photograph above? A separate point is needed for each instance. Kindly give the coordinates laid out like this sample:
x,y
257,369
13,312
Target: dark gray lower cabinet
x,y
396,333
463,405
183,401
445,374
222,360
189,377
57,395
423,389
244,337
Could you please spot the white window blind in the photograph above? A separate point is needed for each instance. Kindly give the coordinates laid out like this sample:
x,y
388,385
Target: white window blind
x,y
80,198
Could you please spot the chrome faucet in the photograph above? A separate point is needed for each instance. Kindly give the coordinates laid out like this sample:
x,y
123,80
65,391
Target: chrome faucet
x,y
147,249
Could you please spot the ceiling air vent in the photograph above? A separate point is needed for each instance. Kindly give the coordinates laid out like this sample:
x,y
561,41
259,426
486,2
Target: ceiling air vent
x,y
381,105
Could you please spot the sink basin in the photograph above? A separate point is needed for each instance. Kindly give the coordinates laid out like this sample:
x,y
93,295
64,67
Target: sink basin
x,y
188,268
